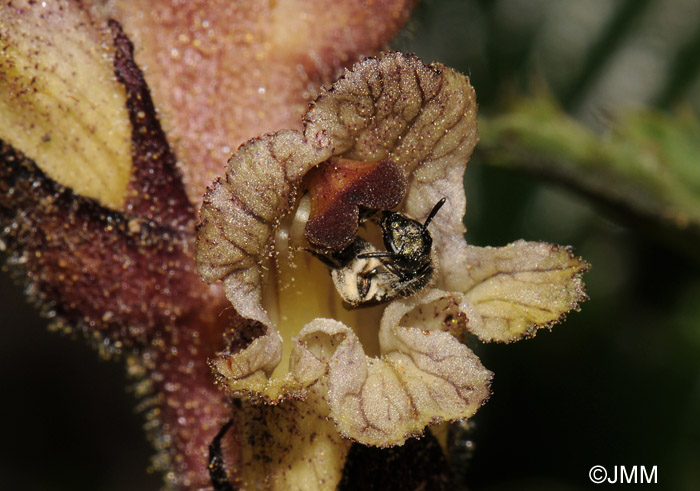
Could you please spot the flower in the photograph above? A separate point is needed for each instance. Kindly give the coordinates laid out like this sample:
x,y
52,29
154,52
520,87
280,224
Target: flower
x,y
378,375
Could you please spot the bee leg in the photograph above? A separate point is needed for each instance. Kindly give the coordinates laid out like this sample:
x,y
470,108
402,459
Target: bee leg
x,y
392,269
217,472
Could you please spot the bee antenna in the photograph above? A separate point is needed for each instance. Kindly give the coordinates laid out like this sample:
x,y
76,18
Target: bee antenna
x,y
433,212
376,254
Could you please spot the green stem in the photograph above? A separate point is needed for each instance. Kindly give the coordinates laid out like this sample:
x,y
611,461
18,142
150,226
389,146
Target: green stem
x,y
646,168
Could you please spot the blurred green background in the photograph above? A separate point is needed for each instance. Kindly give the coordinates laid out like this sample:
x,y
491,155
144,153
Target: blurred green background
x,y
616,384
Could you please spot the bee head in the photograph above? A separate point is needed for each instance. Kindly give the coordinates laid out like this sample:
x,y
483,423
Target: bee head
x,y
408,241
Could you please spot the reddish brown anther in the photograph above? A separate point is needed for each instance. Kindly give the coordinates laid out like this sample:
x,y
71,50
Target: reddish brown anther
x,y
338,188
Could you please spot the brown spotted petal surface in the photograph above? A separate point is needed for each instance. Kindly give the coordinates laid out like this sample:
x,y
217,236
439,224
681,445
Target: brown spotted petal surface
x,y
505,293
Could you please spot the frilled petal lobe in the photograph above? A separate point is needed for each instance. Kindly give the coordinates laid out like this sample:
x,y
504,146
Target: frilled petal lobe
x,y
425,376
512,291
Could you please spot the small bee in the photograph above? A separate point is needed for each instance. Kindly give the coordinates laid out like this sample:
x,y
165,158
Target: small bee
x,y
364,275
